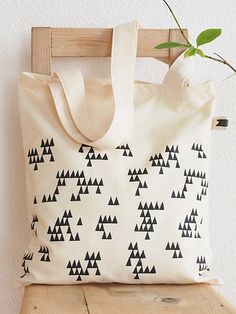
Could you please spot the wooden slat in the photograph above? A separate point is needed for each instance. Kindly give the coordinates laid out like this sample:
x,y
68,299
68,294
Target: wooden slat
x,y
41,51
128,299
175,35
45,299
96,42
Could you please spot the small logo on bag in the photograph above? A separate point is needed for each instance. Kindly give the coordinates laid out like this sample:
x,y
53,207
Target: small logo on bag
x,y
220,123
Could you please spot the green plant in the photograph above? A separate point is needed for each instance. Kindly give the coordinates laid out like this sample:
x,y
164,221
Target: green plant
x,y
203,38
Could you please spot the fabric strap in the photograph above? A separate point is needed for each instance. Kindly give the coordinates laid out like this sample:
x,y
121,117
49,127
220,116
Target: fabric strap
x,y
68,90
69,93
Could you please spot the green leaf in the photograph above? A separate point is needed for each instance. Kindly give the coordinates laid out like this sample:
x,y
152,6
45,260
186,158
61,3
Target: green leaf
x,y
190,52
208,35
170,44
200,53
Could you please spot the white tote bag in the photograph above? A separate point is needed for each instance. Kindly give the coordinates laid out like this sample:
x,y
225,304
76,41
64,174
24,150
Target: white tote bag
x,y
117,173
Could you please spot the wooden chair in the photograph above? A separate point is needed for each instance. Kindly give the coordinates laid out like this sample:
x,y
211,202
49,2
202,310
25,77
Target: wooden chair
x,y
112,298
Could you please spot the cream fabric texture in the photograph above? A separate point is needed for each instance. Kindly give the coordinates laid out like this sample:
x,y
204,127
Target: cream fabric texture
x,y
117,173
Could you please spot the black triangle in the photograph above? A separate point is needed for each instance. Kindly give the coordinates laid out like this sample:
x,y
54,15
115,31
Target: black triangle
x,y
87,257
72,197
116,201
77,237
79,223
130,246
98,257
153,270
174,255
128,262
180,255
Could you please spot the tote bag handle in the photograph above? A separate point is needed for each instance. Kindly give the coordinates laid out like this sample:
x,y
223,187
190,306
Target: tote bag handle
x,y
69,93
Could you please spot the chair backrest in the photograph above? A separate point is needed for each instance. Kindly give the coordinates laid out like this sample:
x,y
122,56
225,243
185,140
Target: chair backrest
x,y
49,42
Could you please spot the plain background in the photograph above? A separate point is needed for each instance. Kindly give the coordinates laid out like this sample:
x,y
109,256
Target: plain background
x,y
16,19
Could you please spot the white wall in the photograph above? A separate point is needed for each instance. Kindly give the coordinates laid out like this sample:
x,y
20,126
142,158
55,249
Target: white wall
x,y
16,19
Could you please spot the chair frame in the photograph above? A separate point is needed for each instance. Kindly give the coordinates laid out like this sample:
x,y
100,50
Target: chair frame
x,y
96,42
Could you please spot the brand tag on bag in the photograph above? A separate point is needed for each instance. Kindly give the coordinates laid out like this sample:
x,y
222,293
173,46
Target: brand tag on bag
x,y
220,123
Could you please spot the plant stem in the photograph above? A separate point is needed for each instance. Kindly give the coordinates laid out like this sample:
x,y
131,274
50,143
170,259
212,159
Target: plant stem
x,y
221,60
225,62
186,39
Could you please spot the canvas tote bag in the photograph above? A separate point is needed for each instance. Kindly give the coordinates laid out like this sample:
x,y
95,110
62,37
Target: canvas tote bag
x,y
117,173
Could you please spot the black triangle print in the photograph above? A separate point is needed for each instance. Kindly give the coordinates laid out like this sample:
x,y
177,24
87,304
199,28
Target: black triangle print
x,y
110,201
146,271
128,262
116,201
139,263
71,237
130,246
98,257
161,206
174,255
79,223
87,257
77,237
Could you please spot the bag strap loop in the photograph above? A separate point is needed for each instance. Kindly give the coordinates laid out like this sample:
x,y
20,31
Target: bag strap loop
x,y
70,99
180,72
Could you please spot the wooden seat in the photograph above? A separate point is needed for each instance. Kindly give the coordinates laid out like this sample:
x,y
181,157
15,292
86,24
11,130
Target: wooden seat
x,y
112,298
125,299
